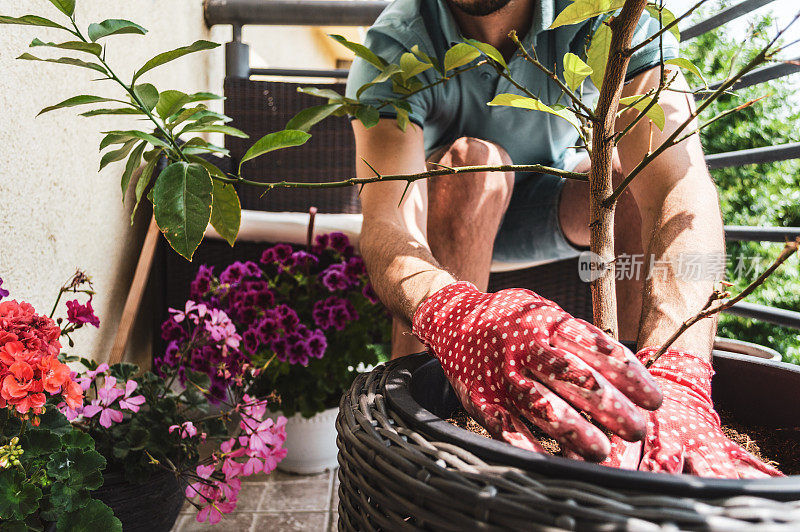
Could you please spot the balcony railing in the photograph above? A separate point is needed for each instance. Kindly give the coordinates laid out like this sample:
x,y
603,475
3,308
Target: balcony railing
x,y
239,13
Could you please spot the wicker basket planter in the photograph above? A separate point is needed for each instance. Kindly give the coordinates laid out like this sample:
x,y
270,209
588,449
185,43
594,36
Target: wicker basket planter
x,y
402,467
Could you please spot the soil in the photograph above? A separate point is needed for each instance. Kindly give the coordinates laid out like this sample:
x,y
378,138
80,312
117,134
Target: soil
x,y
778,447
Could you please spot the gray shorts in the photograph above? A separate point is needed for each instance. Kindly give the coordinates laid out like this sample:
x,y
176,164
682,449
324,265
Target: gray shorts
x,y
530,232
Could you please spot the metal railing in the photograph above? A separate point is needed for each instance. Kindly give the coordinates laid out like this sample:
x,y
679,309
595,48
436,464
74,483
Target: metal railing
x,y
239,13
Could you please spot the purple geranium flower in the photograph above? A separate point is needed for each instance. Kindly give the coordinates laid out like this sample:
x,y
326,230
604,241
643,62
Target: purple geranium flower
x,y
369,292
278,254
334,278
339,242
79,314
317,343
202,282
238,271
3,291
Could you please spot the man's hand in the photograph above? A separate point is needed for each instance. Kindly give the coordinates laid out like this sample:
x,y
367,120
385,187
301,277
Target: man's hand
x,y
514,354
684,435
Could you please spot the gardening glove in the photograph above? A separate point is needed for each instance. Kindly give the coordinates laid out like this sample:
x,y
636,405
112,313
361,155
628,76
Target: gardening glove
x,y
514,353
685,435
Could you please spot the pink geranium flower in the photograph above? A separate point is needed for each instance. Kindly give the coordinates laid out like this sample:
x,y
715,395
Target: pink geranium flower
x,y
79,314
187,429
133,403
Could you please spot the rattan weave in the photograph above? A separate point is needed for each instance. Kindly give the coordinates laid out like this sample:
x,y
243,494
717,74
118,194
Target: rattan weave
x,y
394,478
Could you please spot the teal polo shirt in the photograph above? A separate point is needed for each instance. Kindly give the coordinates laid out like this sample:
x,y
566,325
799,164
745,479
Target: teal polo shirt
x,y
458,107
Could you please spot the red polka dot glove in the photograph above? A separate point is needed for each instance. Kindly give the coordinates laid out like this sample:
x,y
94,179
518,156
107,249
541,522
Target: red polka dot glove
x,y
684,435
514,354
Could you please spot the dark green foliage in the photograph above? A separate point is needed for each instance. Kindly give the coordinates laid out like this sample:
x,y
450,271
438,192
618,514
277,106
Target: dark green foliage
x,y
756,195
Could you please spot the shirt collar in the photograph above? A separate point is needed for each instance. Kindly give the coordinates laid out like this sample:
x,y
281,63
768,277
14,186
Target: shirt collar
x,y
543,17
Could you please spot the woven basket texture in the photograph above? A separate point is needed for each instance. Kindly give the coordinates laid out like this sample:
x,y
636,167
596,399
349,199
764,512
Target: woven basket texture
x,y
394,478
261,107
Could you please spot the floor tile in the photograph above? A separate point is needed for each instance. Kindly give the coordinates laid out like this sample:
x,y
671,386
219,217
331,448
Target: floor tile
x,y
236,522
290,522
291,495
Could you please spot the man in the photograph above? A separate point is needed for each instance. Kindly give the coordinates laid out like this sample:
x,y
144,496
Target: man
x,y
514,356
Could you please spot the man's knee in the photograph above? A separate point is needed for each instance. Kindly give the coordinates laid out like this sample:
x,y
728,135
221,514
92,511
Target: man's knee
x,y
478,191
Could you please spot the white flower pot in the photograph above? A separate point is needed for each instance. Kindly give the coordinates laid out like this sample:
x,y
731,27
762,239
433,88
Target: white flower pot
x,y
310,442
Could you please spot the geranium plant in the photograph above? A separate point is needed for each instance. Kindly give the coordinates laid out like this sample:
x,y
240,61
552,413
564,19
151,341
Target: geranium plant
x,y
308,318
48,468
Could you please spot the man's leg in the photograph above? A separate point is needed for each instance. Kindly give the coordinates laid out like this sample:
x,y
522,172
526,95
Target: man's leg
x,y
573,215
464,213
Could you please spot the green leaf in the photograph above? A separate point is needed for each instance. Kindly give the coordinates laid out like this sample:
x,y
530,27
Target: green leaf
x,y
411,66
388,72
306,118
575,70
38,442
275,141
523,102
166,57
66,61
667,18
170,101
204,96
218,128
321,93
75,100
119,111
117,155
18,498
489,51
226,211
31,20
80,46
368,115
182,199
687,65
114,137
79,439
114,26
65,6
459,55
133,163
581,10
148,95
144,180
141,135
91,518
184,115
640,103
423,56
402,117
597,56
361,51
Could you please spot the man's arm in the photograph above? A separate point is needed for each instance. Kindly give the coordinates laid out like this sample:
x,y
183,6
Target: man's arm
x,y
680,218
393,240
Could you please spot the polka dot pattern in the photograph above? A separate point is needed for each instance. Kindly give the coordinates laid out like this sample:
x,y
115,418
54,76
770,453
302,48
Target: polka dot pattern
x,y
514,353
684,435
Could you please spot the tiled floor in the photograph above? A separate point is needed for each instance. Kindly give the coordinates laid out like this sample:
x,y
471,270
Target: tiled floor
x,y
278,502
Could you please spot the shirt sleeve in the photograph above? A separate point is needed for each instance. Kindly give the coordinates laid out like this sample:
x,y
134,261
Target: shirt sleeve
x,y
650,55
386,42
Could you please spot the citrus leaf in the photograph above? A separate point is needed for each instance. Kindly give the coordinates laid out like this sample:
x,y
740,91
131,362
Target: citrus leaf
x,y
117,155
144,180
688,65
275,141
148,95
219,128
305,119
133,163
83,99
402,117
119,111
31,20
640,103
368,115
459,55
321,93
80,46
361,51
667,18
141,135
597,56
523,102
423,56
65,6
226,211
581,10
182,199
489,51
170,101
575,70
66,61
412,66
113,26
166,57
388,72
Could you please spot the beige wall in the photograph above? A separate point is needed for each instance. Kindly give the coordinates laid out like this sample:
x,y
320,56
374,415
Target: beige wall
x,y
57,213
